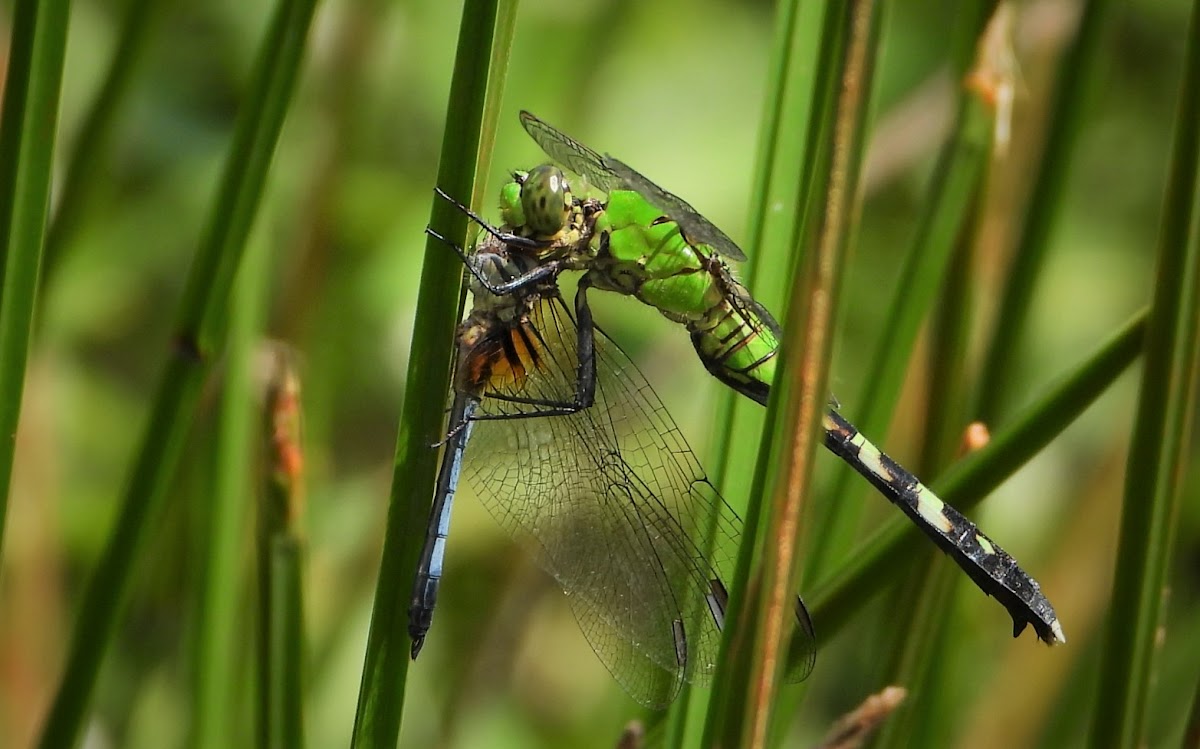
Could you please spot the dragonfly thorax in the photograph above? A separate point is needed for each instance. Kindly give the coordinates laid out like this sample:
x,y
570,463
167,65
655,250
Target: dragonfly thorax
x,y
498,267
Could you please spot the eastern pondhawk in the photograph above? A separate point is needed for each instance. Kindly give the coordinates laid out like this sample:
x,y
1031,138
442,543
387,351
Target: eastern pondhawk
x,y
573,453
644,242
651,244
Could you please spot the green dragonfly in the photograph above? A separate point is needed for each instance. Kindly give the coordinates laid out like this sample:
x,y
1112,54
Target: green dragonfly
x,y
574,454
645,242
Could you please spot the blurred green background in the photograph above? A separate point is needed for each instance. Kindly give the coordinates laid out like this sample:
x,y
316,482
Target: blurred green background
x,y
676,89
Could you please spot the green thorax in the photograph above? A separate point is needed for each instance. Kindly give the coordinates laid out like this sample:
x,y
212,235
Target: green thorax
x,y
638,251
630,247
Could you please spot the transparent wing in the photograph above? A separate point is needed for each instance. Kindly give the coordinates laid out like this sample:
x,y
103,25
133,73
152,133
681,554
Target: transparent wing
x,y
615,506
752,312
696,228
571,153
607,174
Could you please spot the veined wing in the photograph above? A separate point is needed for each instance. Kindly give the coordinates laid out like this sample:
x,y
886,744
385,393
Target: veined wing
x,y
616,507
607,173
696,228
570,153
750,308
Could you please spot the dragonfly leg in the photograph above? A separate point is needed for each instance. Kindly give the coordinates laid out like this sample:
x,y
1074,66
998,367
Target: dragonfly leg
x,y
450,434
585,381
503,236
585,384
546,271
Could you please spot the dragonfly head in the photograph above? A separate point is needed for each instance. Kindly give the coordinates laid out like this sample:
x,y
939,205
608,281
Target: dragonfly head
x,y
545,201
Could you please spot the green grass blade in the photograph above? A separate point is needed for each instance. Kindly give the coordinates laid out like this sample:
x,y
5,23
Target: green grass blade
x,y
924,600
197,343
506,25
285,651
30,120
1157,454
789,97
215,654
784,161
91,145
960,171
912,651
969,481
738,424
1066,118
475,93
754,647
281,565
808,157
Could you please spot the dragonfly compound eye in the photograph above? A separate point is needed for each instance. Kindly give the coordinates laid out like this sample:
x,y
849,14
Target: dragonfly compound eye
x,y
546,198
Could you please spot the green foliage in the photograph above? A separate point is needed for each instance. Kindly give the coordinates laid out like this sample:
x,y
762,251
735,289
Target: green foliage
x,y
1006,279
31,96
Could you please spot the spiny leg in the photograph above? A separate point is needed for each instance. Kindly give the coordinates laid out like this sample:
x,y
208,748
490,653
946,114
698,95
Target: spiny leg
x,y
545,271
504,236
585,380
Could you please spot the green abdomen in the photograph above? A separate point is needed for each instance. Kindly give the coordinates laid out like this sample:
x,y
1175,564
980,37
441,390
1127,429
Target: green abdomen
x,y
738,342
